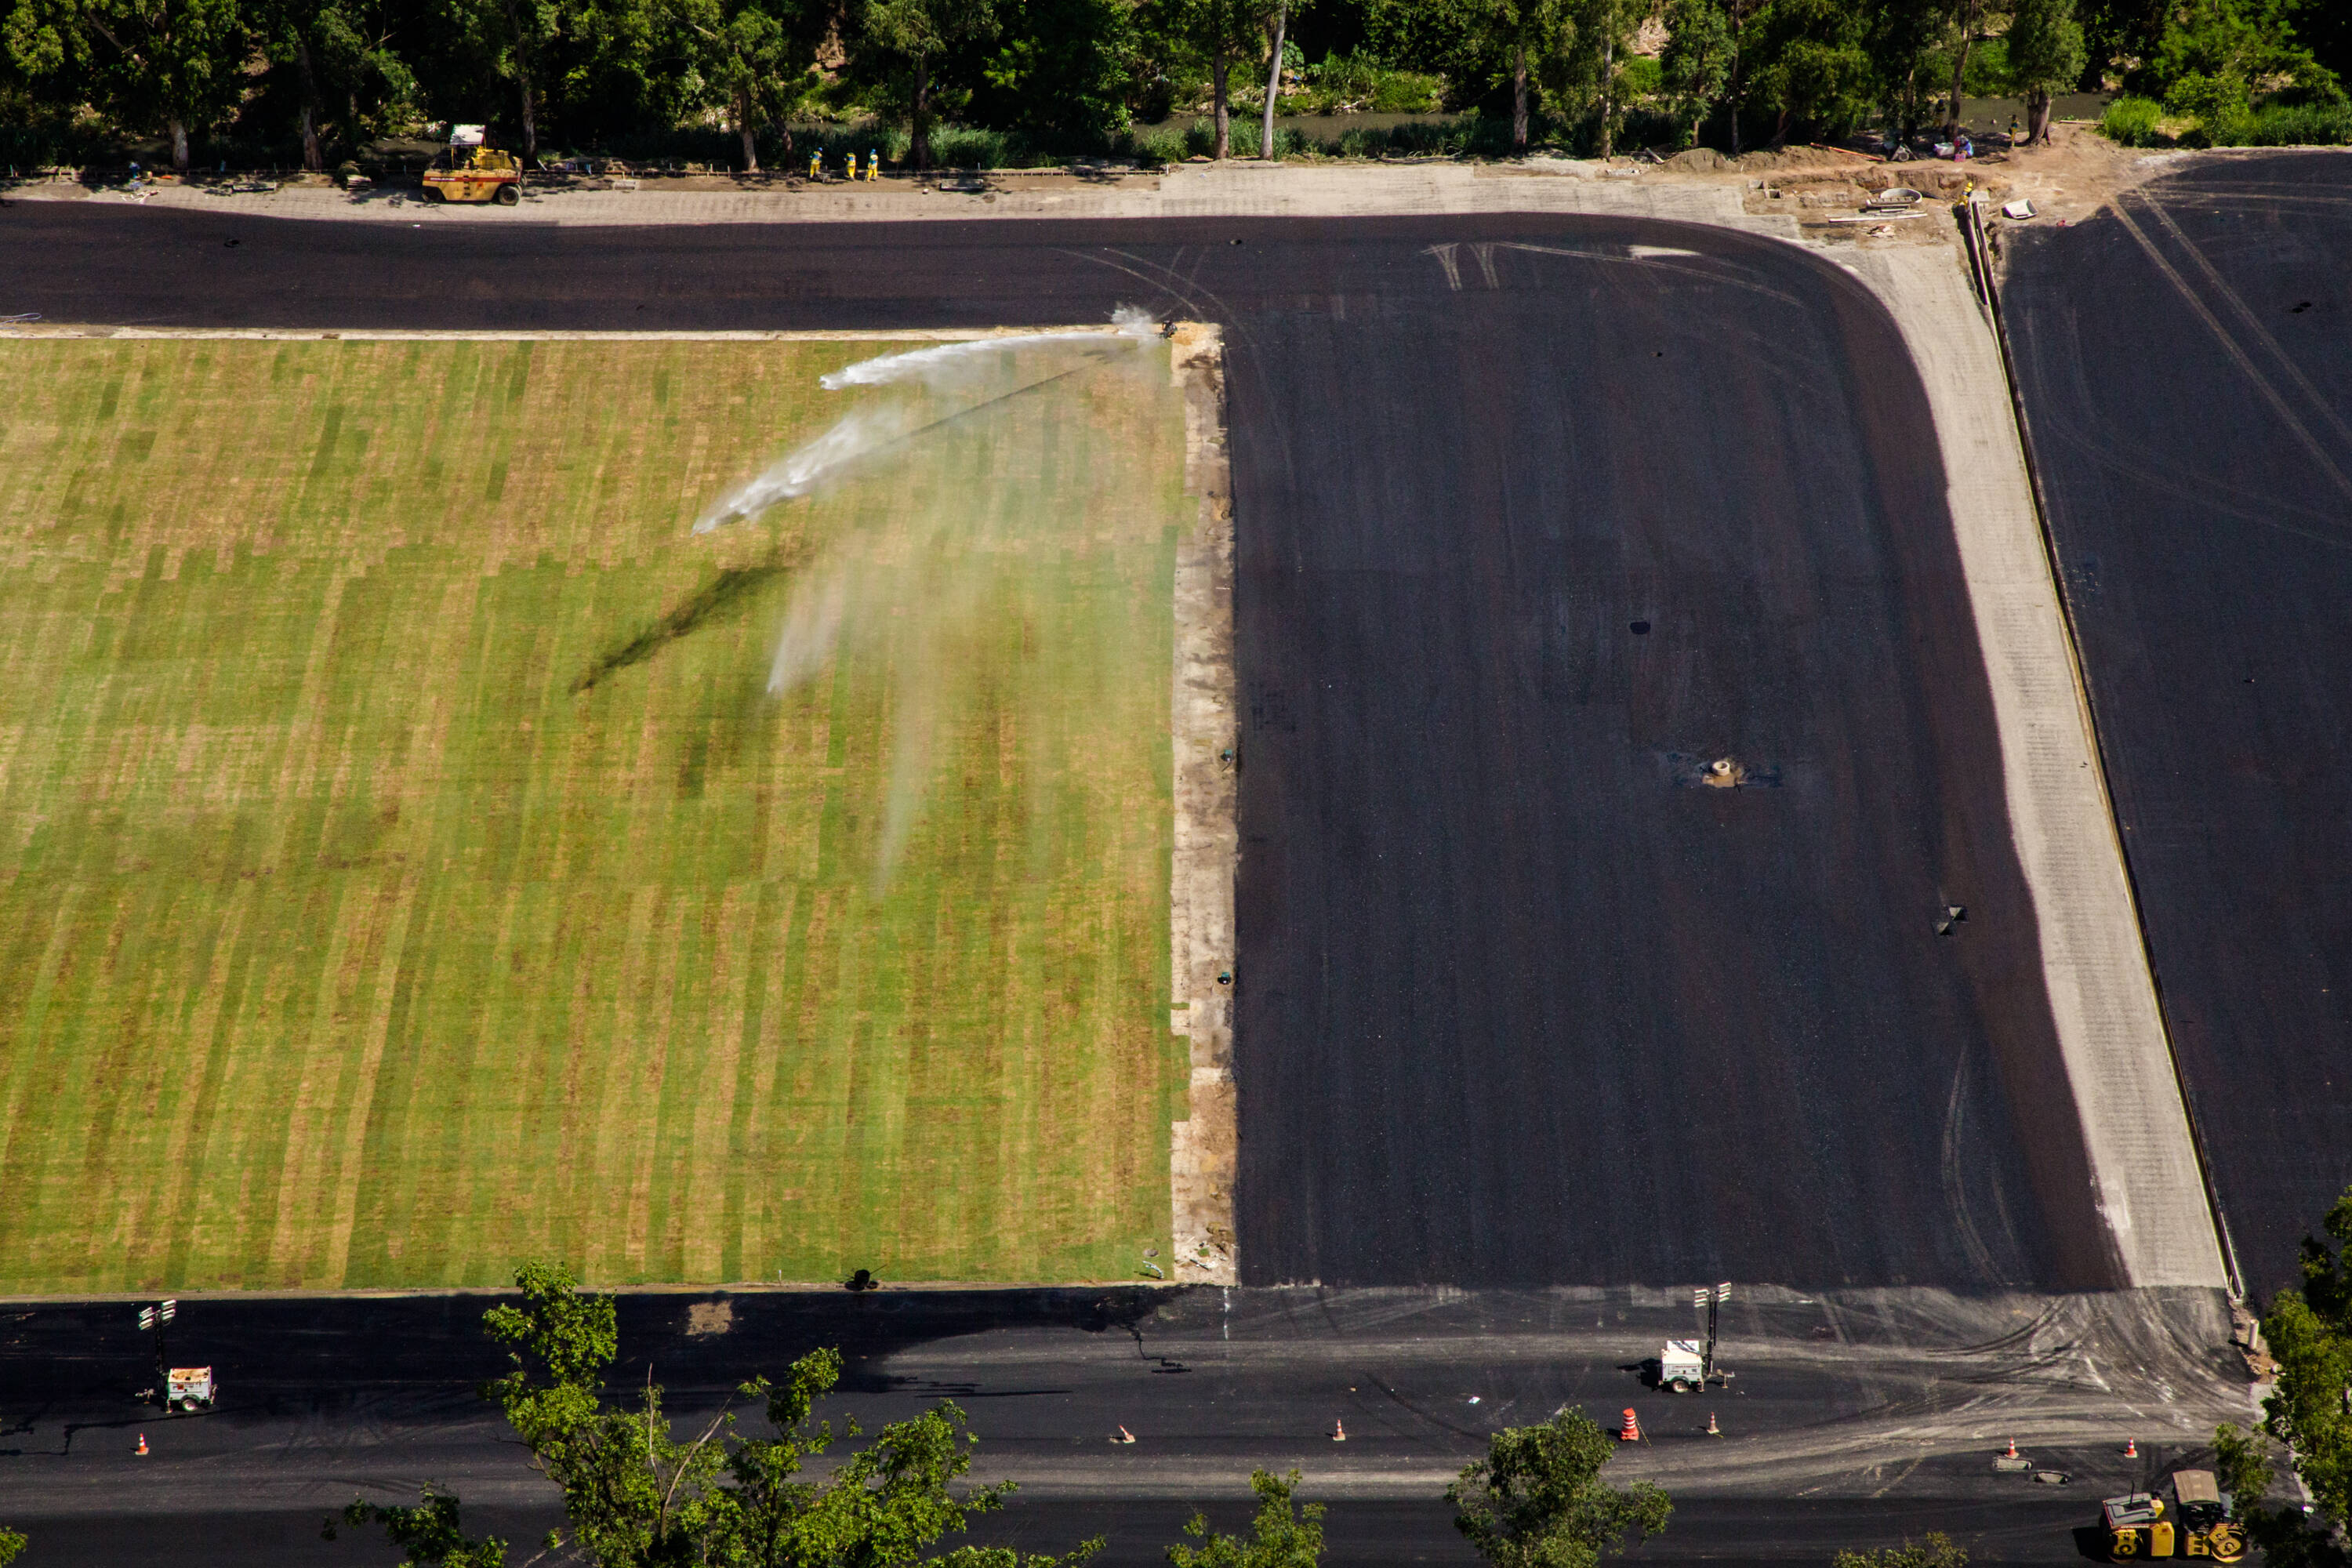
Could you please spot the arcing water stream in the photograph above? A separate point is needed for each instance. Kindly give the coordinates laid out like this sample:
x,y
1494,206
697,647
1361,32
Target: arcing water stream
x,y
953,556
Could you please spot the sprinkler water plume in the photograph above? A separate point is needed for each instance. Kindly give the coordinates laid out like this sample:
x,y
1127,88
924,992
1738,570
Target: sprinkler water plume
x,y
944,367
921,590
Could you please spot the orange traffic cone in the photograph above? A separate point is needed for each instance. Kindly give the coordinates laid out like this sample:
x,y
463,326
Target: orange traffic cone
x,y
143,1444
1712,1429
1124,1436
1631,1431
2131,1448
1339,1431
2012,1449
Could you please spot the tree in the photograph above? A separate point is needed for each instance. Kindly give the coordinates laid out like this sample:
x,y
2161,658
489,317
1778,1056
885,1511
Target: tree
x,y
1281,1535
1697,61
1065,72
1938,1551
2045,57
176,63
1806,64
1536,1500
2324,27
1903,40
342,47
919,30
2210,53
12,1545
1220,32
2284,1534
637,1496
1603,31
1742,11
514,33
2309,1410
750,54
1281,30
1968,19
1529,36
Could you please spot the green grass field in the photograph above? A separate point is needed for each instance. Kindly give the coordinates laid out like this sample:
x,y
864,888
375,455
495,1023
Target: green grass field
x,y
405,871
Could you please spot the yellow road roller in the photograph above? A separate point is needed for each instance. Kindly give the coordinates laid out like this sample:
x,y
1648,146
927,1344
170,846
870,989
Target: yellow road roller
x,y
469,169
2194,1523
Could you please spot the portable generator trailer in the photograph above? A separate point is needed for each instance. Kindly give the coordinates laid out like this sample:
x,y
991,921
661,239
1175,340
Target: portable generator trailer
x,y
188,1388
1682,1367
2195,1523
469,170
1686,1366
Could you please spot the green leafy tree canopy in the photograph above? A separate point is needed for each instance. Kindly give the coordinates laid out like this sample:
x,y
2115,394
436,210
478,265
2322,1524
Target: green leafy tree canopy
x,y
1282,1535
639,1496
170,65
2045,57
1536,1500
2309,1410
921,31
1937,1550
1697,61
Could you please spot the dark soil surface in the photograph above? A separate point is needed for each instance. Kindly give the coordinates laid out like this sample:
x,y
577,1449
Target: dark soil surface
x,y
2185,359
1853,1418
1533,532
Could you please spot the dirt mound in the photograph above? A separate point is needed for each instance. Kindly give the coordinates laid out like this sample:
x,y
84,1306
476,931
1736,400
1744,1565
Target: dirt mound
x,y
1699,161
1795,158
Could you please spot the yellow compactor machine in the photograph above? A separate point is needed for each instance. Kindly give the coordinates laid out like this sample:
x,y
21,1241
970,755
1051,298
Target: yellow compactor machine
x,y
469,169
2195,1522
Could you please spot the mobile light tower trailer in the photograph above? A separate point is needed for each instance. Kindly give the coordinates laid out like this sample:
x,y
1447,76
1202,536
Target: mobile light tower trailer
x,y
184,1388
1687,1366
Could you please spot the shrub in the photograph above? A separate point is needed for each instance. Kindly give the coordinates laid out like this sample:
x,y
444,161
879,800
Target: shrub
x,y
2300,125
1352,83
1158,144
2132,122
1413,139
2218,105
2211,98
1172,143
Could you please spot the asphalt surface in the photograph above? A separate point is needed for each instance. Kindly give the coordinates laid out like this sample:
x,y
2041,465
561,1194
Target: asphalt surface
x,y
2185,364
1538,518
1851,1419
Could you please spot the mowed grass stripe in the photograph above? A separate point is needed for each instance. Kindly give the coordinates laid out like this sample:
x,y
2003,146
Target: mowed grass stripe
x,y
348,944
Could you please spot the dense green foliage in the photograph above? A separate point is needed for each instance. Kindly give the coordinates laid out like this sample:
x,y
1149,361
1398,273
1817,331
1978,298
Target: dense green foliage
x,y
1282,1535
1937,1550
2309,1411
731,81
1536,1500
637,1496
